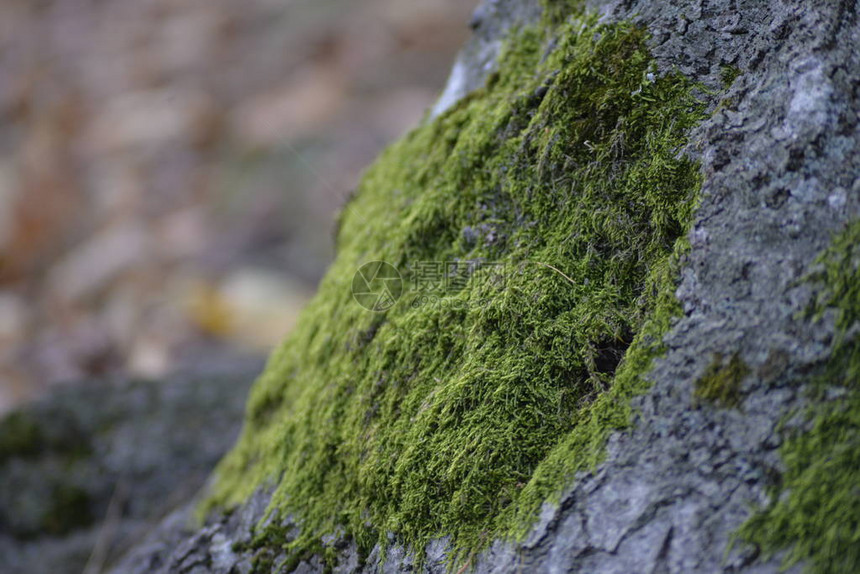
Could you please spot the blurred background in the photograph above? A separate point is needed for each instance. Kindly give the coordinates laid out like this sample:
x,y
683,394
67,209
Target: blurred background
x,y
170,170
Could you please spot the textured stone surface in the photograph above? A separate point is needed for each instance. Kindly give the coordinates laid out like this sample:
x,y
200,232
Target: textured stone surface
x,y
103,463
781,176
491,22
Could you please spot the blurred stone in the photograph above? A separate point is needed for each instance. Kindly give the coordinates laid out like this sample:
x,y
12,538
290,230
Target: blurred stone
x,y
182,233
291,111
264,306
147,119
116,187
91,266
253,308
87,473
14,389
9,189
186,40
149,358
13,318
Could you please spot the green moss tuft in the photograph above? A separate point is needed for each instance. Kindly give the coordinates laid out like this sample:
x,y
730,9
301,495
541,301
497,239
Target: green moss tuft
x,y
728,75
462,411
558,11
815,510
721,382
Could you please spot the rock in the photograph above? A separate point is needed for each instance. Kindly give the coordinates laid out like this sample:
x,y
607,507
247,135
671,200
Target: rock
x,y
491,22
673,489
87,473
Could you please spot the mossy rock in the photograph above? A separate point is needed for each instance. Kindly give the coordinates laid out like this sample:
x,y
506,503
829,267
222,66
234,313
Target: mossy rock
x,y
535,224
623,228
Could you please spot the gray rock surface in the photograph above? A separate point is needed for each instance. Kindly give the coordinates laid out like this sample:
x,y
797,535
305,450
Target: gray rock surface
x,y
491,22
87,473
781,176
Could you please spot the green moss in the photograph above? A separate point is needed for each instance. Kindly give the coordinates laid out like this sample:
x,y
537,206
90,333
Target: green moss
x,y
69,508
721,382
37,432
815,509
728,75
461,415
20,435
557,11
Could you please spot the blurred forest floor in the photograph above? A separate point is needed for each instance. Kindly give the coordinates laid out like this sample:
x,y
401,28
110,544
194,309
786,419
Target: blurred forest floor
x,y
170,169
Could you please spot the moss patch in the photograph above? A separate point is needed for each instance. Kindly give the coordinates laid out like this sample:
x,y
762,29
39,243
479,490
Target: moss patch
x,y
557,11
464,407
68,508
728,75
720,384
815,513
20,435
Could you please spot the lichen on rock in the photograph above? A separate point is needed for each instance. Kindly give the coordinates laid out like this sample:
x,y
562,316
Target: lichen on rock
x,y
459,416
720,384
